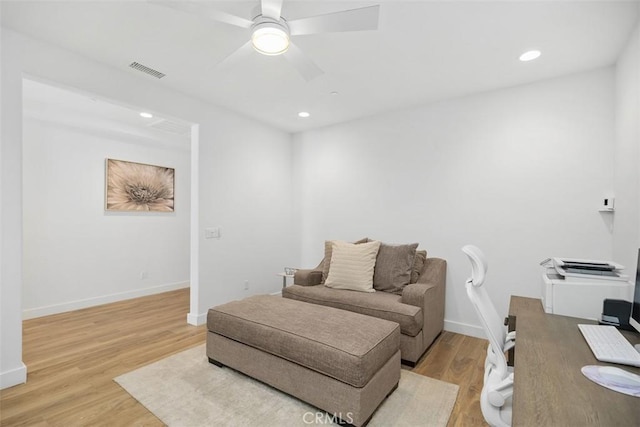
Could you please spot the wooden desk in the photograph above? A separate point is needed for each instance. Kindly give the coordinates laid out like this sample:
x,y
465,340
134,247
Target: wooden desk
x,y
549,388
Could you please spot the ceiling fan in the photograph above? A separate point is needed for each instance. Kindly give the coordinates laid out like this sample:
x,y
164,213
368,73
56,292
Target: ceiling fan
x,y
271,32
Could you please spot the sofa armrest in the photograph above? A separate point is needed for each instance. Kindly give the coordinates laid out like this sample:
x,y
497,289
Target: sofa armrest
x,y
428,294
434,272
416,293
307,277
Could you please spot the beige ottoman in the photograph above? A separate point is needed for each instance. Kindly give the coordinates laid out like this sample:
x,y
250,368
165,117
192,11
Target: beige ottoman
x,y
341,362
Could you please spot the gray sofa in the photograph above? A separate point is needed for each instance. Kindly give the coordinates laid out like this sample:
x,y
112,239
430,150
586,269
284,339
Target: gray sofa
x,y
419,309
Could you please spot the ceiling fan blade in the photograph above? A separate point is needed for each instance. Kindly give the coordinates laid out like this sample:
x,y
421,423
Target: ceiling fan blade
x,y
272,9
362,19
237,55
201,9
305,66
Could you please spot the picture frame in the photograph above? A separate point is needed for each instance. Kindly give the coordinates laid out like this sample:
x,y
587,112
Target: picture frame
x,y
138,187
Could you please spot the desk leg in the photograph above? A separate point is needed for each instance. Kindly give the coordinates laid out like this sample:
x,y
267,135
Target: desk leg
x,y
511,326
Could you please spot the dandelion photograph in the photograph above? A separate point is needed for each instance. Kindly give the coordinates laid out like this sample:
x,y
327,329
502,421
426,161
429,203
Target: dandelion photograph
x,y
139,187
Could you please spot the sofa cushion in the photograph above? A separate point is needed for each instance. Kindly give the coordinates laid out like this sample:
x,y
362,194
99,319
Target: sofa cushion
x,y
393,267
418,265
347,346
382,305
352,266
327,256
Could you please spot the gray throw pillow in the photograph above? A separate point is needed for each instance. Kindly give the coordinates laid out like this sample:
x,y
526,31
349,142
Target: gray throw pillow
x,y
393,267
418,265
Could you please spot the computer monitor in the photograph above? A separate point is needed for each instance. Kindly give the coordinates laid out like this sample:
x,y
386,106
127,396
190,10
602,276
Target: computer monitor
x,y
635,308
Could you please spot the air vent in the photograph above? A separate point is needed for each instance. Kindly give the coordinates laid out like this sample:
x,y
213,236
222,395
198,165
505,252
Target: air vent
x,y
171,127
155,73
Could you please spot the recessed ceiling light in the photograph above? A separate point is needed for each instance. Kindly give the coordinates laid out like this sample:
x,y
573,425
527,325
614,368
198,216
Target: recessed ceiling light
x,y
529,55
334,93
303,114
146,115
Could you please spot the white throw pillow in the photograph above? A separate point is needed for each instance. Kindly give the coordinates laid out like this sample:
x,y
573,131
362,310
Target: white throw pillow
x,y
352,266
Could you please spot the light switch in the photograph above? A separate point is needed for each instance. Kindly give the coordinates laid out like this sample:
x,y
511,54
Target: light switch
x,y
212,233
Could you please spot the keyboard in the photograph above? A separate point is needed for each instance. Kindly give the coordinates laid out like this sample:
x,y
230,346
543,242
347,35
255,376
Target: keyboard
x,y
608,345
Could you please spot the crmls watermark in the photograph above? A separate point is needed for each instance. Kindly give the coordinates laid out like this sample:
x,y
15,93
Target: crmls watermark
x,y
326,418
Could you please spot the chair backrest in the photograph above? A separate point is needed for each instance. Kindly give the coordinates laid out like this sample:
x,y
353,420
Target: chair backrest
x,y
489,317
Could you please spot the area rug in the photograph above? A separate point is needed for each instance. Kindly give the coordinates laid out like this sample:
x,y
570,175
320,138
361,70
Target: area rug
x,y
185,390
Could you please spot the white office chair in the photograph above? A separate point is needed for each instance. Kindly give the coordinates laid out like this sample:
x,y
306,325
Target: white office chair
x,y
495,398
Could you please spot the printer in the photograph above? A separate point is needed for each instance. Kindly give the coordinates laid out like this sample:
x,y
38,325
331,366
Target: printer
x,y
578,287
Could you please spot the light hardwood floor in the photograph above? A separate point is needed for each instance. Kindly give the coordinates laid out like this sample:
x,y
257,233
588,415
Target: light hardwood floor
x,y
73,357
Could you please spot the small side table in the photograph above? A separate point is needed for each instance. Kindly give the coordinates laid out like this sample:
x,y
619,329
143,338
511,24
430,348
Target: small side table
x,y
284,278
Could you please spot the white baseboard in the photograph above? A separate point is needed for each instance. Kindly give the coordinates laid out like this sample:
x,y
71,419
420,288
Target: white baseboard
x,y
196,319
31,313
464,329
13,377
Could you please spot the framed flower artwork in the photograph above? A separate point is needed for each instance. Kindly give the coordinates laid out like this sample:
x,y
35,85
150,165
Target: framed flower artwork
x,y
138,187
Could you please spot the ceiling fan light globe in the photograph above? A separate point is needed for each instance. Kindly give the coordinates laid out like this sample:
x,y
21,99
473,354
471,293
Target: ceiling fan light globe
x,y
270,40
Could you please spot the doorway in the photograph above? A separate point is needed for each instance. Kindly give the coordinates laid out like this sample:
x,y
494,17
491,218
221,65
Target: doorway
x,y
75,253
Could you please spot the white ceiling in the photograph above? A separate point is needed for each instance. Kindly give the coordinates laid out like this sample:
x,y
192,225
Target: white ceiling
x,y
83,112
424,51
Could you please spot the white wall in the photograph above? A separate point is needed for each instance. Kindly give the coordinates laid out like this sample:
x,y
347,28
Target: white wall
x,y
12,370
247,192
77,255
626,237
243,171
518,172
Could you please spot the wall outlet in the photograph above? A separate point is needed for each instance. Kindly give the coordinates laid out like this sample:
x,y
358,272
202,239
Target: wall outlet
x,y
246,285
143,275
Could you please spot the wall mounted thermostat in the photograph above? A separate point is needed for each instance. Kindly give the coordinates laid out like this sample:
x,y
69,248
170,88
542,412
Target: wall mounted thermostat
x,y
608,203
